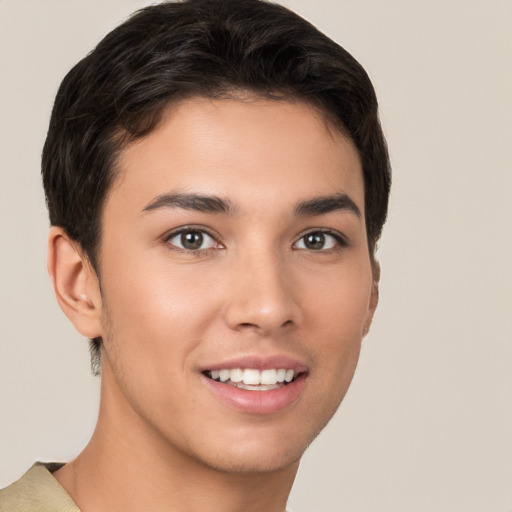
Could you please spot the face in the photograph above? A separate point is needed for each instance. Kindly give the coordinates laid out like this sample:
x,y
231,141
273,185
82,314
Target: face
x,y
236,282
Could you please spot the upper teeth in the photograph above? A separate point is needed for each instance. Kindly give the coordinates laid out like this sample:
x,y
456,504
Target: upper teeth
x,y
254,377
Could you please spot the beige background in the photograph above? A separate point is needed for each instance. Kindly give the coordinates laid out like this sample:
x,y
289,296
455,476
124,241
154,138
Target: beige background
x,y
427,424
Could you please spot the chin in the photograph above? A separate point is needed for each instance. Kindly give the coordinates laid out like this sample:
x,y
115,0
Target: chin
x,y
264,451
250,463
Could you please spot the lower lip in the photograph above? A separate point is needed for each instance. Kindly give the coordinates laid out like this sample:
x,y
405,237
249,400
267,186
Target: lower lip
x,y
258,402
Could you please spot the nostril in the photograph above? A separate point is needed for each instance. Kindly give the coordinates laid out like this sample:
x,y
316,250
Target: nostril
x,y
247,325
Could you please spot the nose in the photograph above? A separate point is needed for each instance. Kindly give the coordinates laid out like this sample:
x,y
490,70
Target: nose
x,y
261,295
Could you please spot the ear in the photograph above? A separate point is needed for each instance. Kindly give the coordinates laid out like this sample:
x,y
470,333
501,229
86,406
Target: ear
x,y
75,283
374,296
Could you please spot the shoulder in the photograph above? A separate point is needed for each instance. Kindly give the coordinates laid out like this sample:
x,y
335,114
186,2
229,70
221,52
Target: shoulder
x,y
37,491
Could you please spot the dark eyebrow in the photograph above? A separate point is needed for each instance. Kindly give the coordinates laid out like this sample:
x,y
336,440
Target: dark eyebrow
x,y
197,202
327,204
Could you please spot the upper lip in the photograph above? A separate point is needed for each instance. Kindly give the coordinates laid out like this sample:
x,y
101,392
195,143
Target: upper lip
x,y
258,362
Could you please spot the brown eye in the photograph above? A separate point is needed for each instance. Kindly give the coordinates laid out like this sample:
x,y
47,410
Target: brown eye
x,y
192,240
318,241
314,241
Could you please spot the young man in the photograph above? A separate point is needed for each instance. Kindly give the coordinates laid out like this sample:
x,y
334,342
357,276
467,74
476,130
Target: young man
x,y
217,180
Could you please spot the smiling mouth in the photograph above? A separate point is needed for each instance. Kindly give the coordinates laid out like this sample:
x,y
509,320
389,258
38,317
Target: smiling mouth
x,y
254,380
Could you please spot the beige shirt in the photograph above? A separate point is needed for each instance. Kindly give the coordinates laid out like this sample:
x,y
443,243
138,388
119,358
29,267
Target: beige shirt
x,y
37,491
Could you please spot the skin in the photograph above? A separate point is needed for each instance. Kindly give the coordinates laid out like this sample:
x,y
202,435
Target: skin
x,y
166,312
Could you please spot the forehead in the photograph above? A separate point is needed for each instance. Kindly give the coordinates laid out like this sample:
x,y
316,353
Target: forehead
x,y
243,148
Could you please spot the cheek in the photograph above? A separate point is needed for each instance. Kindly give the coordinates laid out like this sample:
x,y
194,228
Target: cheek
x,y
149,285
340,305
154,305
338,315
153,322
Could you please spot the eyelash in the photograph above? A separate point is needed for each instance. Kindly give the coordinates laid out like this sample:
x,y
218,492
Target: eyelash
x,y
340,240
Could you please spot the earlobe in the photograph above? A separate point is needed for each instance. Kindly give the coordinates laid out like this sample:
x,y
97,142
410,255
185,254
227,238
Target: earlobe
x,y
75,283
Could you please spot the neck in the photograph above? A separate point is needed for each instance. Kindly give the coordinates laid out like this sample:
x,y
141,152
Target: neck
x,y
127,467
